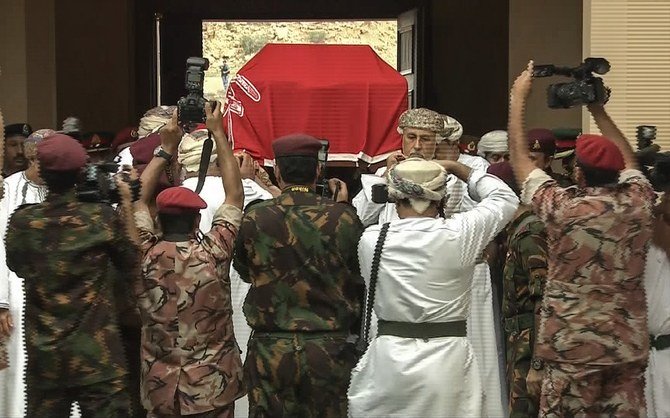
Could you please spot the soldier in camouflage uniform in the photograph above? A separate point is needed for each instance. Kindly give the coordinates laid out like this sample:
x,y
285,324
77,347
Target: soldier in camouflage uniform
x,y
66,251
523,275
299,252
592,332
191,363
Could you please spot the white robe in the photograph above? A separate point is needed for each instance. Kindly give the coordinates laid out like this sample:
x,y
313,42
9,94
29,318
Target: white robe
x,y
18,191
657,286
425,275
213,193
483,330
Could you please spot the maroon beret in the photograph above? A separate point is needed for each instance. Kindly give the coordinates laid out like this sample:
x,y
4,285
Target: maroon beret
x,y
143,149
542,140
295,145
176,200
94,142
124,136
503,170
599,152
60,152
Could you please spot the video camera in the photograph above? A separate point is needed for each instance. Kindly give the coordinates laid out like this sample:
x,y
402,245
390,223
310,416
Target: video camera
x,y
99,184
585,89
191,109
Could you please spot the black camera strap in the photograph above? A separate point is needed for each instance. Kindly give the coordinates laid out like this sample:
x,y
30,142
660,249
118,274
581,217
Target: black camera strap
x,y
362,344
204,162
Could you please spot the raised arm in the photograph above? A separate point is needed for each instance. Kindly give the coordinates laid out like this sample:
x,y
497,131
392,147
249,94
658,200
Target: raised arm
x,y
228,166
516,129
170,134
609,129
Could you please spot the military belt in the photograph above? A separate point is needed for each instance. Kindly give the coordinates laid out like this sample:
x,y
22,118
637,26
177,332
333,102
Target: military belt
x,y
519,322
303,334
424,330
660,342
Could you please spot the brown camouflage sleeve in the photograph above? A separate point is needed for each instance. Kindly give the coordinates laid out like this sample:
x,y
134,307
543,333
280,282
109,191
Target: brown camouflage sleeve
x,y
532,249
220,240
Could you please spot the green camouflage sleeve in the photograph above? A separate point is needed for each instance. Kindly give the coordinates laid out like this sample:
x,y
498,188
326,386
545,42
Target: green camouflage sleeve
x,y
240,257
17,237
533,253
124,253
350,232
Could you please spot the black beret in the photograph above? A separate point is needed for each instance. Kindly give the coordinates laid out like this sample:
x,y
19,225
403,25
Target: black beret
x,y
18,129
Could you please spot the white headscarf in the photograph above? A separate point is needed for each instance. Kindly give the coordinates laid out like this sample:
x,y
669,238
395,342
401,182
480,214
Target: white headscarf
x,y
419,181
190,150
494,141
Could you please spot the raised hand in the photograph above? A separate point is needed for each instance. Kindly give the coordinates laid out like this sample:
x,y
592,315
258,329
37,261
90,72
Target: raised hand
x,y
214,120
171,135
523,83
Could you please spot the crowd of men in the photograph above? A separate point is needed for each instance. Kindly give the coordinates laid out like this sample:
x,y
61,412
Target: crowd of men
x,y
523,274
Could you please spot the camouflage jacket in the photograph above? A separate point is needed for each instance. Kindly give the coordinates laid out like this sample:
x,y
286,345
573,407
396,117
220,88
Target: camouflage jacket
x,y
67,251
188,346
594,309
525,268
300,253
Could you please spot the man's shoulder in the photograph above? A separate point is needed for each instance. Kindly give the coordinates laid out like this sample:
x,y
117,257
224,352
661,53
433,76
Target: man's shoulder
x,y
473,161
26,210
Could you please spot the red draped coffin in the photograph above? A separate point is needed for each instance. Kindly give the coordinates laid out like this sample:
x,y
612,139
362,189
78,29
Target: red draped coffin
x,y
343,93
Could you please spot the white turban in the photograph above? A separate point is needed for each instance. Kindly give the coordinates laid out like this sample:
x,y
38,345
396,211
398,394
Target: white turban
x,y
190,150
453,130
154,119
418,180
494,141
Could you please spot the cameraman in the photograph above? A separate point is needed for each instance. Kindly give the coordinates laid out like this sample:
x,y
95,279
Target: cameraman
x,y
67,252
184,292
592,337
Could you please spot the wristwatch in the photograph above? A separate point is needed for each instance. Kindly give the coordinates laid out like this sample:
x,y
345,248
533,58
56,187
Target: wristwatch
x,y
160,152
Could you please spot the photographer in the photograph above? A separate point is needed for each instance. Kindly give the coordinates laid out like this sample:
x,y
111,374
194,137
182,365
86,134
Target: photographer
x,y
592,337
298,251
184,292
68,253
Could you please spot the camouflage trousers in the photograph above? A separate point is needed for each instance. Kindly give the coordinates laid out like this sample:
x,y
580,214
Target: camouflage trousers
x,y
593,391
107,399
298,374
519,356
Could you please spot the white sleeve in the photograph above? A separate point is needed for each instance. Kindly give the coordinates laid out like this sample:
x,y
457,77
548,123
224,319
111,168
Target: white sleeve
x,y
4,270
368,211
253,191
496,206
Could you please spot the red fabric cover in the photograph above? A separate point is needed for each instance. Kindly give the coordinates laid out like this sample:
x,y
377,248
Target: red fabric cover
x,y
343,93
296,145
177,200
542,140
599,152
60,152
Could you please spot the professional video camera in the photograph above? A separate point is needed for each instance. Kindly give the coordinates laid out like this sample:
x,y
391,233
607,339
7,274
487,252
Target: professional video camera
x,y
191,109
99,184
585,89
